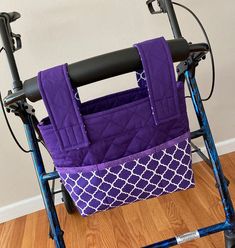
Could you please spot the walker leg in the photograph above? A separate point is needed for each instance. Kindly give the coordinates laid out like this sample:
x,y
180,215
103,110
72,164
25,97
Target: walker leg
x,y
229,225
57,233
214,158
210,146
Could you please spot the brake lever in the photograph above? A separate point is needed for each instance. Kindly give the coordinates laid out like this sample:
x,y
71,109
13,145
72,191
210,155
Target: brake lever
x,y
15,39
17,44
161,4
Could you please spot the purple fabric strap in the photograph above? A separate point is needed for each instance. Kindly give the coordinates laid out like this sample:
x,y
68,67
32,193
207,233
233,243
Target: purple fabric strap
x,y
62,107
161,83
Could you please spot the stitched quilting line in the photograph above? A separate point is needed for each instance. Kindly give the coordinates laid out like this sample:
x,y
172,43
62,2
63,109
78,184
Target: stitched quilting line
x,y
50,112
48,127
105,113
134,113
45,99
131,140
85,142
172,74
124,152
185,181
150,83
82,140
129,158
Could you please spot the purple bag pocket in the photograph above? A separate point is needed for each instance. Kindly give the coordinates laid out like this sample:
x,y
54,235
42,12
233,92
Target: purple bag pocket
x,y
160,170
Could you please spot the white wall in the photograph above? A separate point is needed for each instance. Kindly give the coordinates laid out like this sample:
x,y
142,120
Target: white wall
x,y
54,32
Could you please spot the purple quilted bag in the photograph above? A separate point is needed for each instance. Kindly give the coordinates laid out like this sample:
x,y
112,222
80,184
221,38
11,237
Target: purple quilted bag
x,y
124,147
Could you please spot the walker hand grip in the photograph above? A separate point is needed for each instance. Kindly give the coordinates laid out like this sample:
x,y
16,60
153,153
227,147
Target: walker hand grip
x,y
11,16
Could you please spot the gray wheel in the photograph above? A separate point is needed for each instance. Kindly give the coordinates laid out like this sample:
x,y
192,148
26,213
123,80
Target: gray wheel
x,y
229,237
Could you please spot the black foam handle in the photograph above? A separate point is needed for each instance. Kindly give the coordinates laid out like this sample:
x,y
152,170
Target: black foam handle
x,y
106,66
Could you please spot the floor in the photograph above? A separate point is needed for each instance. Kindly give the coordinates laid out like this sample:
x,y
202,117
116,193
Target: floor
x,y
134,225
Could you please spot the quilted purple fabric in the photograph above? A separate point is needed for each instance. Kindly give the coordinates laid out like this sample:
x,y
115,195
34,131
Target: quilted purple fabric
x,y
124,147
112,134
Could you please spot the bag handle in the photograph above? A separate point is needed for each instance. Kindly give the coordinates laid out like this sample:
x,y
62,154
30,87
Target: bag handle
x,y
62,107
160,79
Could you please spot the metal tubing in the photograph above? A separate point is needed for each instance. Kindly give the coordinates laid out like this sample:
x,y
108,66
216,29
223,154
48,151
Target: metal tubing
x,y
31,138
163,244
214,229
44,186
202,155
210,145
201,233
196,134
17,84
206,159
173,19
50,176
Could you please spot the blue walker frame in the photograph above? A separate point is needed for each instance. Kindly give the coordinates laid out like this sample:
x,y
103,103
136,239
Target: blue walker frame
x,y
228,226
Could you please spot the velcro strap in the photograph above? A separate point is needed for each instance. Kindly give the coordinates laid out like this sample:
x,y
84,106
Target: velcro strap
x,y
160,77
62,107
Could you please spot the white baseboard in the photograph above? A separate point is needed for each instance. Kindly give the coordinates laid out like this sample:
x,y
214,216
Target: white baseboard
x,y
34,204
24,207
222,147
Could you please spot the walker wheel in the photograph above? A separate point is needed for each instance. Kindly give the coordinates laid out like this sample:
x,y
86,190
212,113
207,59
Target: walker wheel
x,y
68,202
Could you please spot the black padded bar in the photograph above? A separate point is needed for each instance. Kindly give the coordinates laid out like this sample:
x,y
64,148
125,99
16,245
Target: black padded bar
x,y
105,66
